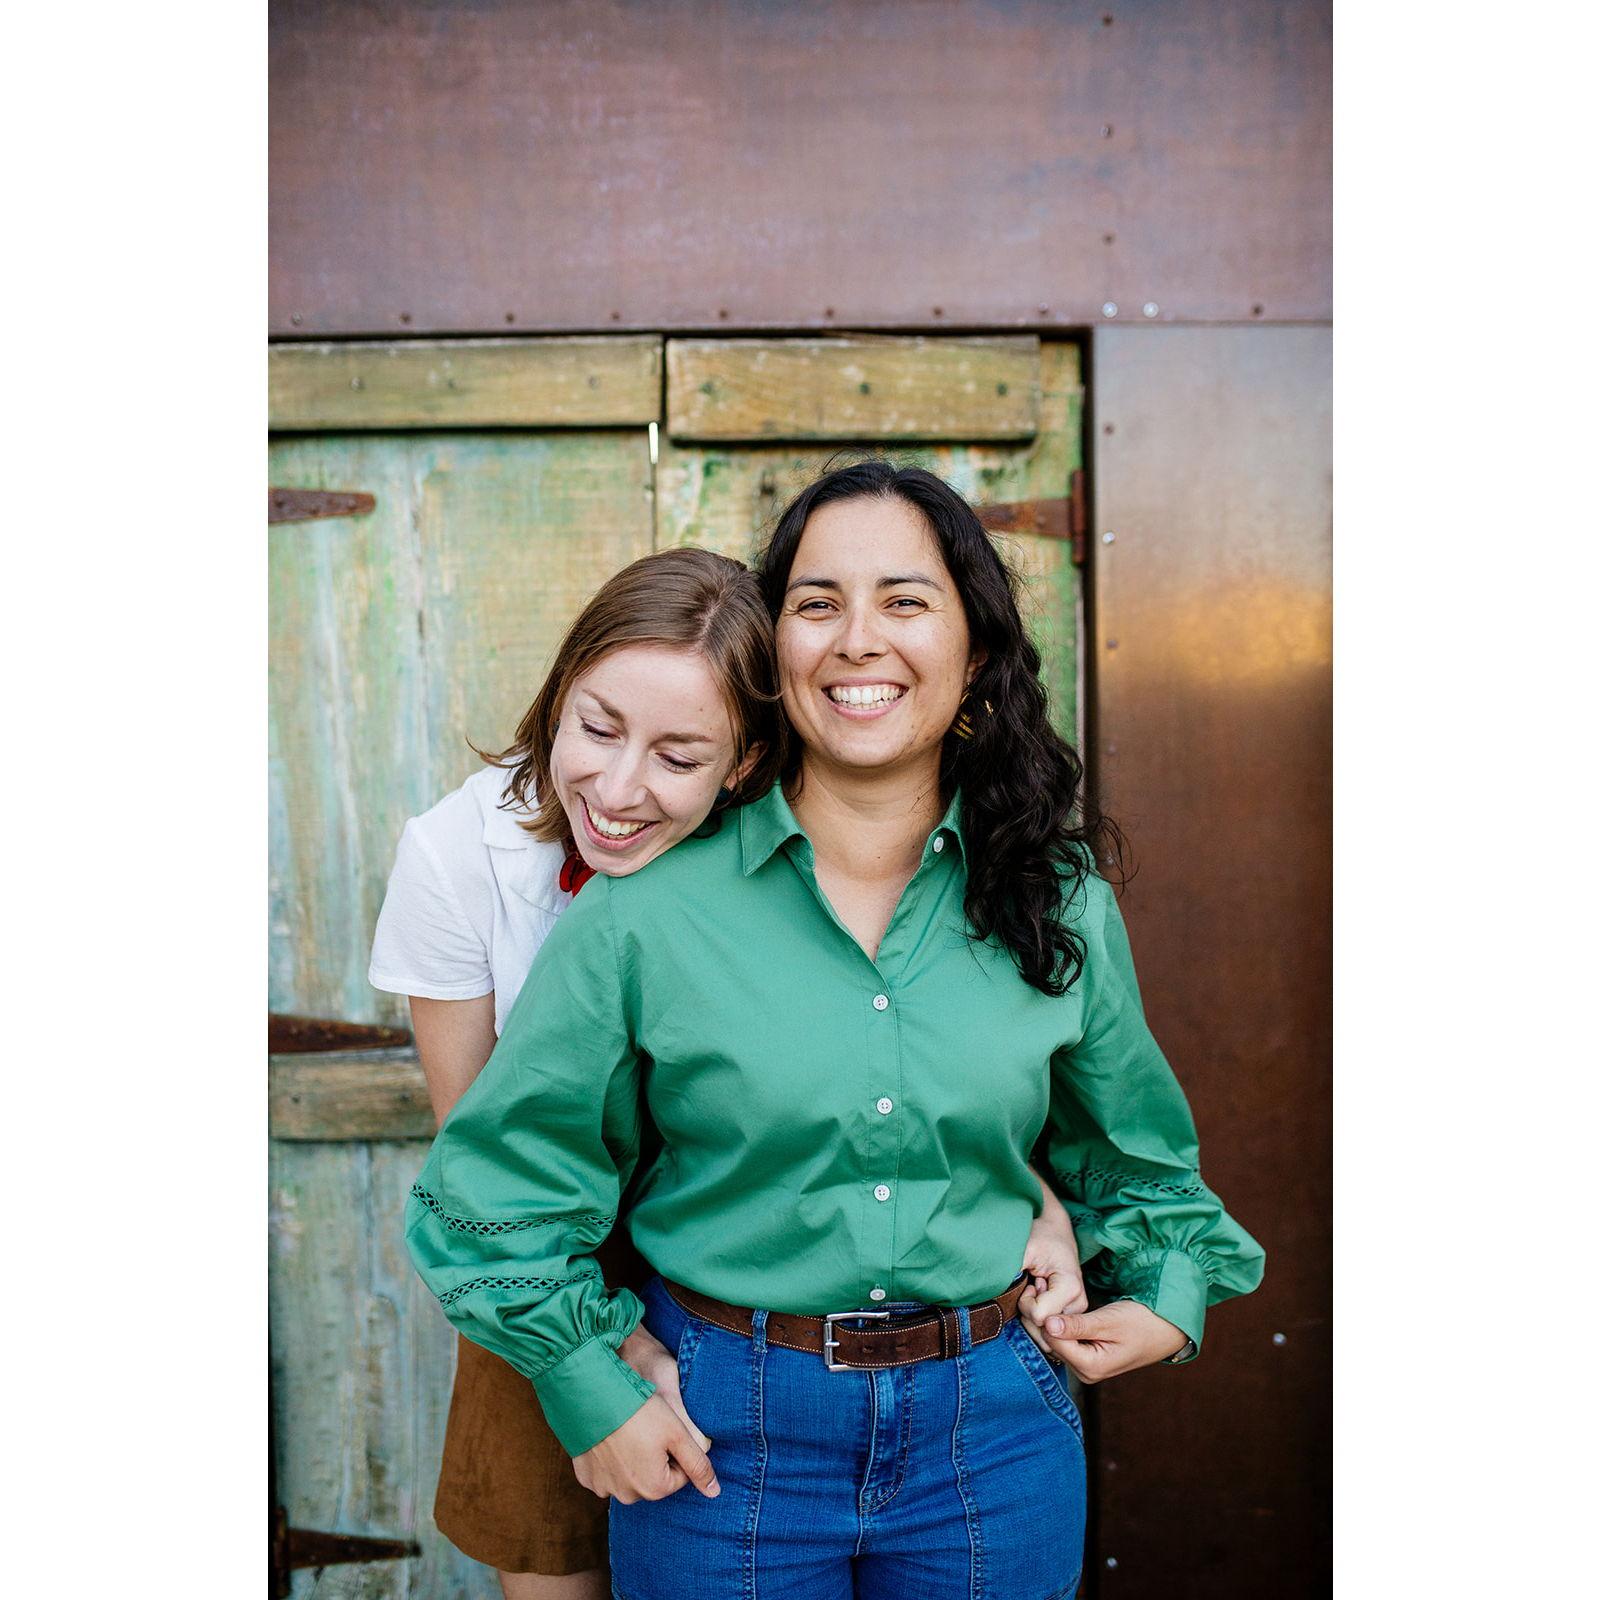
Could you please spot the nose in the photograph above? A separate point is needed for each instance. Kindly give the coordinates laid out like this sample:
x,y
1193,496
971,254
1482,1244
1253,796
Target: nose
x,y
620,783
858,638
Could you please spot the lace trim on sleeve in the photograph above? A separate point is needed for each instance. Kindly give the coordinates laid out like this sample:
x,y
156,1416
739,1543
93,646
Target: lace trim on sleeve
x,y
480,1225
451,1296
1117,1180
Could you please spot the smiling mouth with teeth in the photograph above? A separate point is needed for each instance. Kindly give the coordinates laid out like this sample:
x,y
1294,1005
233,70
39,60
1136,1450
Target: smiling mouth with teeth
x,y
864,694
605,831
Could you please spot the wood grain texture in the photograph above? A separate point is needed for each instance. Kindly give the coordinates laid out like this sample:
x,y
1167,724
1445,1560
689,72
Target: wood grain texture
x,y
529,383
859,388
399,637
362,1361
728,498
348,1094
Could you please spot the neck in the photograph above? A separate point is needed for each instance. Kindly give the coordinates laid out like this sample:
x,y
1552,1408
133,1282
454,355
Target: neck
x,y
869,824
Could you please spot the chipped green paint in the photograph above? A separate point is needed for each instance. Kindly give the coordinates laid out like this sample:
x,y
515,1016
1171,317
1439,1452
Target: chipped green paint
x,y
395,639
399,637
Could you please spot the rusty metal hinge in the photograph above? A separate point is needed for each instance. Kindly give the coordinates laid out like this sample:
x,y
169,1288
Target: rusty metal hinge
x,y
1064,518
292,1035
293,1548
306,505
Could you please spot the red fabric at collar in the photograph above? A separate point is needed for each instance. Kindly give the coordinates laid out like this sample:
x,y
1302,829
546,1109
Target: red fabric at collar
x,y
575,872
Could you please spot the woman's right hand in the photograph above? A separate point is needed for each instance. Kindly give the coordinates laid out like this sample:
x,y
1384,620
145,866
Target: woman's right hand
x,y
653,1454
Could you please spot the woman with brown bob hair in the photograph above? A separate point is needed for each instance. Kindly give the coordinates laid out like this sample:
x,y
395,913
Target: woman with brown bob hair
x,y
660,711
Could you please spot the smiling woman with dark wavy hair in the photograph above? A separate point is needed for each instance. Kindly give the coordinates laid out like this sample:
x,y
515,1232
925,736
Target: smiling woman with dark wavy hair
x,y
1033,828
852,1011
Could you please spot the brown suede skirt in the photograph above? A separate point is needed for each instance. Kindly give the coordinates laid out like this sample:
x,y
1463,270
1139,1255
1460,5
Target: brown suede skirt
x,y
508,1496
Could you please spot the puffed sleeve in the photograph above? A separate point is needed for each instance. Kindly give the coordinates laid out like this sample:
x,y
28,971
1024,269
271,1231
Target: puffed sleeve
x,y
1123,1149
523,1182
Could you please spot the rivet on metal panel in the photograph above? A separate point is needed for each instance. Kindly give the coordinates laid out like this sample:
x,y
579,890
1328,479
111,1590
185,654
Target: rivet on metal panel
x,y
1109,309
1106,20
511,316
1280,1338
295,318
405,316
1105,130
1108,238
1255,311
1108,537
1151,308
1044,311
616,316
1111,644
722,312
1110,427
827,311
938,311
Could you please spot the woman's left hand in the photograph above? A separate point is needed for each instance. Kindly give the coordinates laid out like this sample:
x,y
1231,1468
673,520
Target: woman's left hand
x,y
1113,1339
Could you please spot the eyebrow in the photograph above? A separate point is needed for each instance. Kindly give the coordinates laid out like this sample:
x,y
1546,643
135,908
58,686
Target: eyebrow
x,y
883,583
665,738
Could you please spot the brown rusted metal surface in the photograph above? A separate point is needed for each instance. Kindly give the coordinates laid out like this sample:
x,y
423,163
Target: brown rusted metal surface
x,y
603,165
308,505
1048,519
1212,745
1063,518
288,1035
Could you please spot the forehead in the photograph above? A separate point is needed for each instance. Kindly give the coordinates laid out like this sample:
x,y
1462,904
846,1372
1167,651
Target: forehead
x,y
654,686
869,538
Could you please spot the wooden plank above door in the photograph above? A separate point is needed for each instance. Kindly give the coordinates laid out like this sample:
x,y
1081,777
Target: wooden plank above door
x,y
861,388
488,383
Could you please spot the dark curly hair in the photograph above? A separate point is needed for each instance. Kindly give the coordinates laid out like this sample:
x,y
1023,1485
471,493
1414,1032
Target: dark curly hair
x,y
1033,833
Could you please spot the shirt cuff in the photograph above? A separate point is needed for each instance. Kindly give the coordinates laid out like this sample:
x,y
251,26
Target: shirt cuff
x,y
1173,1286
589,1394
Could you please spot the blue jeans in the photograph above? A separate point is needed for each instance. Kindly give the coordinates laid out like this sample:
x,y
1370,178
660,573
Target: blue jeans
x,y
945,1480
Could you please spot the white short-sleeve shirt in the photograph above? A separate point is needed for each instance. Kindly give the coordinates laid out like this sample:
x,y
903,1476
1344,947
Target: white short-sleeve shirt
x,y
471,898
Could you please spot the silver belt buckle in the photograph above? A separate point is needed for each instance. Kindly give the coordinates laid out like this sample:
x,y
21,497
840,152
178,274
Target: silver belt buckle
x,y
830,1344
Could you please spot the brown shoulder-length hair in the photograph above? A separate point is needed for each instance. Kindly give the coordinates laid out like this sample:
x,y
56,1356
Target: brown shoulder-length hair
x,y
683,599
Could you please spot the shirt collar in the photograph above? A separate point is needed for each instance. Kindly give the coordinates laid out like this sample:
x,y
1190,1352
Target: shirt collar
x,y
765,825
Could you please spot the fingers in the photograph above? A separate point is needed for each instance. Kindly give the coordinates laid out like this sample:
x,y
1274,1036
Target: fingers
x,y
696,1466
667,1388
1065,1293
1080,1325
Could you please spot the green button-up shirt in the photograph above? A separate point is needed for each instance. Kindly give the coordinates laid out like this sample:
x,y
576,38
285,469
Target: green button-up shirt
x,y
822,1131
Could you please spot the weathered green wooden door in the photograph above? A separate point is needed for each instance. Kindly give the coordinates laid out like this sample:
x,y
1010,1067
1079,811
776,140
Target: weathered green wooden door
x,y
508,480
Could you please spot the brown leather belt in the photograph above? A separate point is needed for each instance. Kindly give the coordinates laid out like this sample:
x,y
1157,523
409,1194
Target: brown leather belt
x,y
900,1338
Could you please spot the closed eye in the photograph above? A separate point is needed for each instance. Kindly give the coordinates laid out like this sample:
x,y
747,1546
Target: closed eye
x,y
679,765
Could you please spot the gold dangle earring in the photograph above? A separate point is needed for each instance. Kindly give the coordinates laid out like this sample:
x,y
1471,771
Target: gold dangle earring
x,y
962,727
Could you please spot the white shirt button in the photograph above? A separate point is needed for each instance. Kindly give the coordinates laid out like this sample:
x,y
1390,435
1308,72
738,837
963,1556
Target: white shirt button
x,y
886,1105
881,1192
880,1002
938,844
878,1294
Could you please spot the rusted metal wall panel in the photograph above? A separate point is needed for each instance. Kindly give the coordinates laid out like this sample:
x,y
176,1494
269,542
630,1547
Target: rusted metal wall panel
x,y
1213,747
718,164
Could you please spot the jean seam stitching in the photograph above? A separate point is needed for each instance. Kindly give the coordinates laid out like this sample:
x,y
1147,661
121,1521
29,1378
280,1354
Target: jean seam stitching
x,y
758,1464
958,1457
1059,1403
